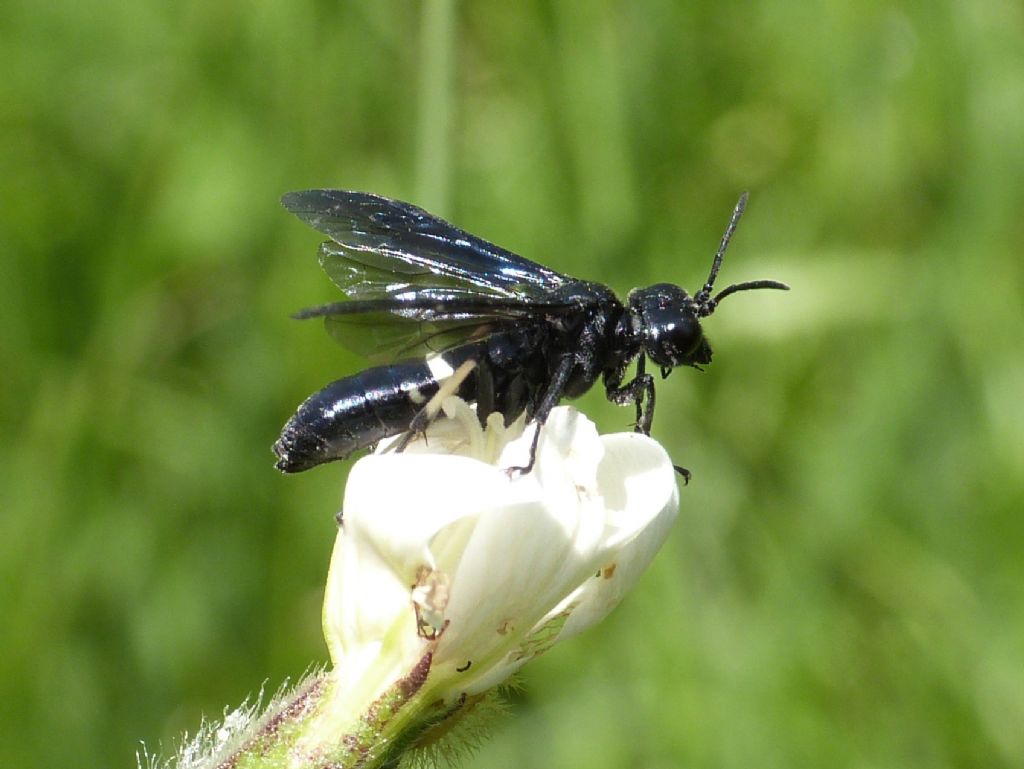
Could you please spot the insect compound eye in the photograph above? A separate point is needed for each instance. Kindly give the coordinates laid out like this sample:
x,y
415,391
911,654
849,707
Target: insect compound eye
x,y
670,326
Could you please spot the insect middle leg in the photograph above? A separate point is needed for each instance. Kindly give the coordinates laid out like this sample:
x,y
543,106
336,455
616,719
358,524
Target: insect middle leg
x,y
551,397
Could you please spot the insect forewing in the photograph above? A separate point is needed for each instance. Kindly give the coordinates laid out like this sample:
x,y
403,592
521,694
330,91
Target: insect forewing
x,y
385,246
419,285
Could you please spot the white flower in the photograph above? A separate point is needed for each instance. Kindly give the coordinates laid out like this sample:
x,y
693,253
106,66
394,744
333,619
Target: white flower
x,y
443,552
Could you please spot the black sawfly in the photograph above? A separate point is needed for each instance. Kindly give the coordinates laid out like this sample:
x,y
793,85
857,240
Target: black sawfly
x,y
442,312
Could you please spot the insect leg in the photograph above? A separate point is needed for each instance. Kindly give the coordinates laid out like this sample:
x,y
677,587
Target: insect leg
x,y
551,398
644,419
427,414
634,391
641,385
486,397
686,474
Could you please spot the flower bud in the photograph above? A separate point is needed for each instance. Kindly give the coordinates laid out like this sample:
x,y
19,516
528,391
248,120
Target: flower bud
x,y
442,552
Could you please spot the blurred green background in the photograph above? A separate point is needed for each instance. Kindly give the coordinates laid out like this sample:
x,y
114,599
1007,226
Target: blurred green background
x,y
846,584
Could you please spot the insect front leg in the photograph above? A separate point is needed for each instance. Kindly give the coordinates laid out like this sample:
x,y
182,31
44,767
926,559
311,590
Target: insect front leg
x,y
641,386
634,391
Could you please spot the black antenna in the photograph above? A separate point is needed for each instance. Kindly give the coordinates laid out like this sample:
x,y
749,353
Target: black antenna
x,y
705,293
747,287
705,304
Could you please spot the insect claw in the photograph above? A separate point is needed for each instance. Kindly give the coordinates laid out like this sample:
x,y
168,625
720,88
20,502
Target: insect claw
x,y
407,438
683,472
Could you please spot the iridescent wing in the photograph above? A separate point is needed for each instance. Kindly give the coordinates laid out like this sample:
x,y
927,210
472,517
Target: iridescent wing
x,y
418,284
381,247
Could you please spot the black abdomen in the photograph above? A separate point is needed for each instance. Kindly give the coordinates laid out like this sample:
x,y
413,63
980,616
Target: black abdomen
x,y
358,411
353,413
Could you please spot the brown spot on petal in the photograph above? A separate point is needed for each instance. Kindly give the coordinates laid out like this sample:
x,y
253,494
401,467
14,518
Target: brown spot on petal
x,y
429,598
505,627
608,571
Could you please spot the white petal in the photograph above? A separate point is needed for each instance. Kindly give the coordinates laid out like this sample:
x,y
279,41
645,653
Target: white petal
x,y
637,481
521,562
364,598
385,539
400,502
504,565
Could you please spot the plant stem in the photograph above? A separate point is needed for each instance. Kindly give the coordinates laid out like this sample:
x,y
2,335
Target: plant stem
x,y
437,83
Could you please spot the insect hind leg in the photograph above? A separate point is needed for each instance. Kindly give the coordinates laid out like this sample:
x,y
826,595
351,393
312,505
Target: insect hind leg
x,y
447,387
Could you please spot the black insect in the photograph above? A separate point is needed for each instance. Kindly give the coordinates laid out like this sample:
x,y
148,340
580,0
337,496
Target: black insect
x,y
461,316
